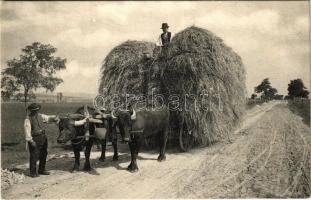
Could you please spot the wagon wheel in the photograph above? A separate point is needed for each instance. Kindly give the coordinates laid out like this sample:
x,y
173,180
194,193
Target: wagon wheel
x,y
186,139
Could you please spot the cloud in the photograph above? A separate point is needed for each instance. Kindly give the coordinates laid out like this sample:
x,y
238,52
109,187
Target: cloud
x,y
302,23
76,69
83,40
78,78
8,15
271,37
263,21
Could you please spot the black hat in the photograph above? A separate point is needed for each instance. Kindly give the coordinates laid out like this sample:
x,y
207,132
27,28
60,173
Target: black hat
x,y
164,25
34,107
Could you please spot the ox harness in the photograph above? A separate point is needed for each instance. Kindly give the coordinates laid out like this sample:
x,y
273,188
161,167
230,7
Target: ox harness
x,y
132,132
86,137
82,139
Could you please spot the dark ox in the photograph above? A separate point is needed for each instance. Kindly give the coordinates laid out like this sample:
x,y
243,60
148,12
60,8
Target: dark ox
x,y
142,124
68,131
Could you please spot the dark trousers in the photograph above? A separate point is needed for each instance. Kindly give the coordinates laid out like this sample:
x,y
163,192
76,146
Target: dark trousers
x,y
38,153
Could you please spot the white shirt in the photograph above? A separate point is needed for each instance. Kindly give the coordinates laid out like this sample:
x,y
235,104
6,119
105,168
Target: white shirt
x,y
159,42
27,125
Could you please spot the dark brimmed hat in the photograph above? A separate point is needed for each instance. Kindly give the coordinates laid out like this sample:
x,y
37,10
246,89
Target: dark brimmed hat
x,y
34,107
164,25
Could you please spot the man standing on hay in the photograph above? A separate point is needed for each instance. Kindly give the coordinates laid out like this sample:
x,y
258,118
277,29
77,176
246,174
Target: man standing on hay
x,y
36,139
165,36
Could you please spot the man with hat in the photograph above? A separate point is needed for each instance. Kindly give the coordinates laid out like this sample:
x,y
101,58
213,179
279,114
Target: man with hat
x,y
36,138
165,36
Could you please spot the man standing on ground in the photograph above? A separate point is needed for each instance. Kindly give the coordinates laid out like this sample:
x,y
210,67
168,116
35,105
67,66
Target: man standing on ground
x,y
35,137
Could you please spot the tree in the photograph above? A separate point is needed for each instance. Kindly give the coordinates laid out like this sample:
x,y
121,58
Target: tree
x,y
253,96
34,68
266,90
296,88
270,94
9,87
20,96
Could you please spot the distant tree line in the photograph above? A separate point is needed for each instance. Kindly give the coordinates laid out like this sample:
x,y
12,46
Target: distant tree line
x,y
296,89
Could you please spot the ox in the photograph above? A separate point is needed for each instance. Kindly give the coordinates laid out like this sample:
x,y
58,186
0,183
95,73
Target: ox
x,y
81,131
142,124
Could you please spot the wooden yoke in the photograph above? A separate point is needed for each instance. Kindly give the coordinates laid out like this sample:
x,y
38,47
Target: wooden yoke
x,y
87,124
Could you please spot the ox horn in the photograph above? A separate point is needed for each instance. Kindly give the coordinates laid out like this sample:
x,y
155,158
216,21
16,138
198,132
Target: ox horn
x,y
106,116
113,116
133,116
75,116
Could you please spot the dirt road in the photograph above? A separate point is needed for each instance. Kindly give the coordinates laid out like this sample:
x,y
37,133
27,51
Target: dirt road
x,y
268,157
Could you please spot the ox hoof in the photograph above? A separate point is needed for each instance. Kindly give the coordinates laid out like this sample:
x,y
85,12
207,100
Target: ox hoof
x,y
87,168
115,158
132,168
74,169
102,159
161,158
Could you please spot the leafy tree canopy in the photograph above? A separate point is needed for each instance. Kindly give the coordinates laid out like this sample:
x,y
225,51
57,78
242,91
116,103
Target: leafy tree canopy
x,y
296,88
253,96
266,90
34,68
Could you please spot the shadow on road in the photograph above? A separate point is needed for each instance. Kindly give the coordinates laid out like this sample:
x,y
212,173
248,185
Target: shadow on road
x,y
67,163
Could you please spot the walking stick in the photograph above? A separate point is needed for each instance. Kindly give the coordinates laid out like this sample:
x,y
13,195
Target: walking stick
x,y
27,127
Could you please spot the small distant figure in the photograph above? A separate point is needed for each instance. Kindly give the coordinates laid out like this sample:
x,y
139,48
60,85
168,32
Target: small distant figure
x,y
165,36
36,138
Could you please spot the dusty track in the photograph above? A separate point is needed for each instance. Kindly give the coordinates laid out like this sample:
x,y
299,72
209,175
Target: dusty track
x,y
268,157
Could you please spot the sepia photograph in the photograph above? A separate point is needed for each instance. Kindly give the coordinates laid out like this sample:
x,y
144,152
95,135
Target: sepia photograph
x,y
155,99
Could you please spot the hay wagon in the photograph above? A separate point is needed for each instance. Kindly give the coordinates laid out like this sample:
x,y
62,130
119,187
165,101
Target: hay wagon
x,y
194,62
179,135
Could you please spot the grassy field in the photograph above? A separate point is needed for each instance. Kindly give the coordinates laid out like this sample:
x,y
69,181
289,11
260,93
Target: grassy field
x,y
302,108
12,135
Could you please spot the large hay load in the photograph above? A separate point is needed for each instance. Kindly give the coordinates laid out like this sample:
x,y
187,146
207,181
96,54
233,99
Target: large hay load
x,y
124,68
210,79
197,67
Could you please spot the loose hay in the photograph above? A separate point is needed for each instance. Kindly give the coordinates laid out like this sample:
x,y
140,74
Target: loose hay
x,y
195,63
199,62
9,178
124,67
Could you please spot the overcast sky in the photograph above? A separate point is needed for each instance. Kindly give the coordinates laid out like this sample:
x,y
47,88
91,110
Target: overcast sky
x,y
271,37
